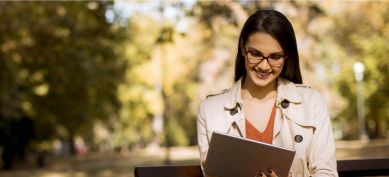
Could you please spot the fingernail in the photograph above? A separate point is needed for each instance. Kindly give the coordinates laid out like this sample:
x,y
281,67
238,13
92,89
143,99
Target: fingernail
x,y
269,170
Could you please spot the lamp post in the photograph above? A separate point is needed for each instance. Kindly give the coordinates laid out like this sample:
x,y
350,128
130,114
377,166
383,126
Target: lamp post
x,y
359,68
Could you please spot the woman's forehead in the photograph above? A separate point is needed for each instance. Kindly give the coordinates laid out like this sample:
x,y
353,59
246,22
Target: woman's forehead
x,y
263,42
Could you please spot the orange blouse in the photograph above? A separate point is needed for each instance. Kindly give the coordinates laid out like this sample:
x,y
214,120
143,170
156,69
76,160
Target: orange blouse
x,y
267,135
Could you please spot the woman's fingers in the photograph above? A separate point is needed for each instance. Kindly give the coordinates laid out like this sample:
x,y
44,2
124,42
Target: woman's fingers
x,y
261,174
271,173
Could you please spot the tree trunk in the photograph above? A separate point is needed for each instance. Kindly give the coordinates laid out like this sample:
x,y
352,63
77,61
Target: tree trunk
x,y
72,144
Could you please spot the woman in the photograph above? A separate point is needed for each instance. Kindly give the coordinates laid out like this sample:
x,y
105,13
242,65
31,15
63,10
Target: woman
x,y
268,102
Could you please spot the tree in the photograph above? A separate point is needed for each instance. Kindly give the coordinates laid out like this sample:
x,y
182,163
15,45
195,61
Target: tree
x,y
62,62
360,33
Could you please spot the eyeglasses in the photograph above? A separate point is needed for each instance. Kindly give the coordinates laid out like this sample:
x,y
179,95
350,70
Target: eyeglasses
x,y
274,60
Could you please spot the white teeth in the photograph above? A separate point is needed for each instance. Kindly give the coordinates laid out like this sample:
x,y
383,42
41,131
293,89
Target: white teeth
x,y
262,75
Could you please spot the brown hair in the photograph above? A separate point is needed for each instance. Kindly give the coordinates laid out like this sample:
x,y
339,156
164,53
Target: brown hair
x,y
277,25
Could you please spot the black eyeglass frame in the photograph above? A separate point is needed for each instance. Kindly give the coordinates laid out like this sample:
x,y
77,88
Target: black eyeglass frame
x,y
269,60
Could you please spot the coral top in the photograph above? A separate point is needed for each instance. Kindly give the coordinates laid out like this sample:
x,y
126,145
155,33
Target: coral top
x,y
267,135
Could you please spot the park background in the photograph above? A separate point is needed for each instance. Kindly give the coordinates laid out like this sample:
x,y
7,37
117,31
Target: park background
x,y
95,88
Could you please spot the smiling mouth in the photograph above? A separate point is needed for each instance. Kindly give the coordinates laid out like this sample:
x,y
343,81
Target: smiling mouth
x,y
263,75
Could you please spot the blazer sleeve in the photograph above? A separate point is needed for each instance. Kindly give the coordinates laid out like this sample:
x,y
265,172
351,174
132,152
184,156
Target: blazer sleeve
x,y
322,158
202,138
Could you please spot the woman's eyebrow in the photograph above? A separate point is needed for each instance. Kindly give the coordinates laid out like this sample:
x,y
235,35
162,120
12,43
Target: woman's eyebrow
x,y
255,50
274,53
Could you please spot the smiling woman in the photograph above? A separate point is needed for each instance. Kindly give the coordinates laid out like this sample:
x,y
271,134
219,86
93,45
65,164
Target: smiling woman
x,y
261,73
268,102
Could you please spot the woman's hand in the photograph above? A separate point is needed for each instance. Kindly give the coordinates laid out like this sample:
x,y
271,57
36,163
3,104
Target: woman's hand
x,y
270,173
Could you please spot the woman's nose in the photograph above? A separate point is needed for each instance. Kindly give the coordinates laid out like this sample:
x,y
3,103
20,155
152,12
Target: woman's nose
x,y
263,65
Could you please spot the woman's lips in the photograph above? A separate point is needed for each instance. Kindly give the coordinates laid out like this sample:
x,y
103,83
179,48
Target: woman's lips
x,y
263,75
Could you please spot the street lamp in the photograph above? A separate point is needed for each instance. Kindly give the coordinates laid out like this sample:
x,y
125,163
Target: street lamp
x,y
359,68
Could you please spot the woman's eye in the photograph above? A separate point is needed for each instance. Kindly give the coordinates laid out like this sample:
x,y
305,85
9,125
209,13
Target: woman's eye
x,y
276,57
256,54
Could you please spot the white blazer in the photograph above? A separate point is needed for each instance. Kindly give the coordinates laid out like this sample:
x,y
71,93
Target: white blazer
x,y
301,123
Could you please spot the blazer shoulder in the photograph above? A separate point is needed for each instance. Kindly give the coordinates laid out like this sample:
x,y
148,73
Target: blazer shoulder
x,y
215,99
219,93
307,91
302,86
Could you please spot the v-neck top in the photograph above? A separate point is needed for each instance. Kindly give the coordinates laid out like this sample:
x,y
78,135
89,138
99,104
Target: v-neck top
x,y
267,135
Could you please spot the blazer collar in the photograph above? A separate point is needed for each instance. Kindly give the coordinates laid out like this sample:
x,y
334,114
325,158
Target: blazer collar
x,y
286,90
235,99
233,110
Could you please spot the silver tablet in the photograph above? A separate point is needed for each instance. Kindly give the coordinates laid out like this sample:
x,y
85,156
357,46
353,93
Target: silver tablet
x,y
230,156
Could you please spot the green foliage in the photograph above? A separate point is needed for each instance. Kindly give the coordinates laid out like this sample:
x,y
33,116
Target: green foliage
x,y
160,81
76,73
362,34
62,62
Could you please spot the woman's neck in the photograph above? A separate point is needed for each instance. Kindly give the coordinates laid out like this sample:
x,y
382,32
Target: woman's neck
x,y
250,91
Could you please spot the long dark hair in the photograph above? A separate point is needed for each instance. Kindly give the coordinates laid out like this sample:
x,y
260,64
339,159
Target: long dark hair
x,y
277,25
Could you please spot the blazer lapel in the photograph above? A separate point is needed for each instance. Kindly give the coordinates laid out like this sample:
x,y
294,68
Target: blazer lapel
x,y
287,92
233,111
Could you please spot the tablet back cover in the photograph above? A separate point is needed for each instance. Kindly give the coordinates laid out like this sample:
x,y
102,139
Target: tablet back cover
x,y
230,156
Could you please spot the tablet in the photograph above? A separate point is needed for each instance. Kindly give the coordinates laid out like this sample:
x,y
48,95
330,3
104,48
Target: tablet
x,y
230,156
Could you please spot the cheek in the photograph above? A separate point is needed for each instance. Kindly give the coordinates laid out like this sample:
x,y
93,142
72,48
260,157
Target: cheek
x,y
248,65
279,70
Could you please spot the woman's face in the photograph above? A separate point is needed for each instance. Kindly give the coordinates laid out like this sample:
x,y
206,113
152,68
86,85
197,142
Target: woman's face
x,y
259,46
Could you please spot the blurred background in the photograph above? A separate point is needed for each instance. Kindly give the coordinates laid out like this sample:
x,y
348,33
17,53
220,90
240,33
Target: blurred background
x,y
96,88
